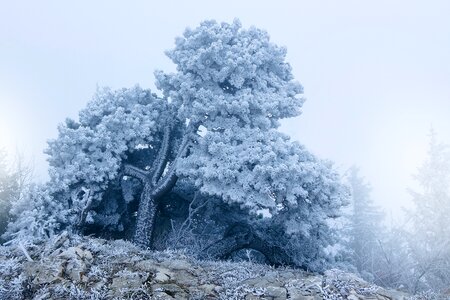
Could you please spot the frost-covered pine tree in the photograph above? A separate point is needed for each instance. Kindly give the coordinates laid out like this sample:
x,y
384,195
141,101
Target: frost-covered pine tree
x,y
214,131
430,241
8,186
365,229
14,179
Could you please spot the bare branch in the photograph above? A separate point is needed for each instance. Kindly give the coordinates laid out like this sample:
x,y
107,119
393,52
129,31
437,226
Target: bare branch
x,y
186,226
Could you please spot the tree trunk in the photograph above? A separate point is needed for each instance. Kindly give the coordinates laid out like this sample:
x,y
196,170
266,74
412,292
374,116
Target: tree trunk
x,y
156,183
145,218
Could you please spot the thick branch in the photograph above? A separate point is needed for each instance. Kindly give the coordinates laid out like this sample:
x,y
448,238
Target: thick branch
x,y
241,236
184,146
275,255
238,237
88,199
166,183
161,159
137,173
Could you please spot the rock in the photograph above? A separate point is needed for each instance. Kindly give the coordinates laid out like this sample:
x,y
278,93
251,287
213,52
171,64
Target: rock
x,y
204,291
287,275
77,254
99,285
162,274
353,296
42,297
43,273
146,265
250,296
77,274
161,295
278,293
301,297
263,282
126,281
76,263
208,288
170,289
391,294
177,264
186,278
60,240
305,287
120,271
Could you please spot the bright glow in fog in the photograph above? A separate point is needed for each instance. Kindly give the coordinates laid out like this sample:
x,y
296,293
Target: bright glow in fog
x,y
5,132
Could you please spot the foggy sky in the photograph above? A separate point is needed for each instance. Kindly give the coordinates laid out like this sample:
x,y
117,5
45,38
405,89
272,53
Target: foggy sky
x,y
376,73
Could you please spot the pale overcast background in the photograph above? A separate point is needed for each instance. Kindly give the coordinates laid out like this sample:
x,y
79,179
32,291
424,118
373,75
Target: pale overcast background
x,y
376,73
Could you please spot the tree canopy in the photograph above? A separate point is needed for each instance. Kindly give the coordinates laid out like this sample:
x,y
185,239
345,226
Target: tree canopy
x,y
131,160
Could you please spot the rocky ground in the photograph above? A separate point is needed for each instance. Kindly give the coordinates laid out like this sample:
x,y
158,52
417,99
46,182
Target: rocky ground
x,y
74,267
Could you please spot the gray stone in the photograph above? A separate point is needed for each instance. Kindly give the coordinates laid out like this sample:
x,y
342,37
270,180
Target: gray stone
x,y
170,289
162,275
160,295
306,287
301,297
263,282
250,296
185,278
44,296
60,240
43,273
391,294
278,293
77,254
208,288
177,264
146,265
125,281
353,296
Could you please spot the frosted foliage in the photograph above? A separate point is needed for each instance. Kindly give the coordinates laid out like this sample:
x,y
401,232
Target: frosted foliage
x,y
33,218
224,70
260,170
114,123
236,84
